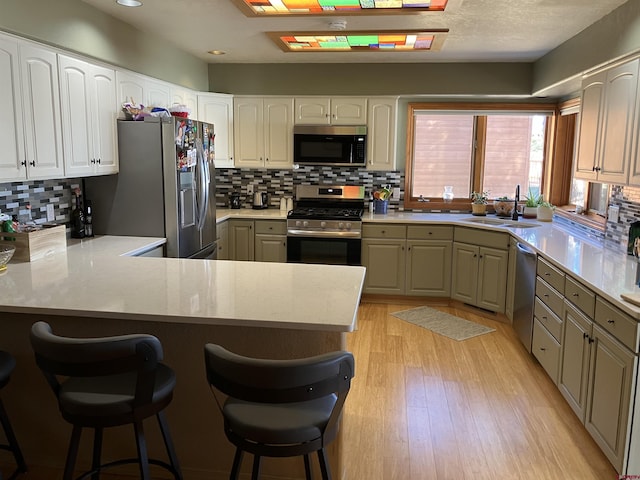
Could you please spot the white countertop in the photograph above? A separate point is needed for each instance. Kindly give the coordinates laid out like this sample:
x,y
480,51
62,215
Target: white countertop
x,y
95,278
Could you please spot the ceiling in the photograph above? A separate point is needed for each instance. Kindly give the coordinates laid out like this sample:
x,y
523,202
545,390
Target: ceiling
x,y
479,30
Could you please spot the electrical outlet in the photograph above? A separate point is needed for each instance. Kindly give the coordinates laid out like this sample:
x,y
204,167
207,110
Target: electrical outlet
x,y
396,193
250,189
614,213
51,216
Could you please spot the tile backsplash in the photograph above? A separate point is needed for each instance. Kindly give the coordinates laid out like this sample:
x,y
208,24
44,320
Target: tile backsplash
x,y
628,199
14,198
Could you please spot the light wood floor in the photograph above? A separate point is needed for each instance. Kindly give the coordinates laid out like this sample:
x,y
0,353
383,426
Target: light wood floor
x,y
423,406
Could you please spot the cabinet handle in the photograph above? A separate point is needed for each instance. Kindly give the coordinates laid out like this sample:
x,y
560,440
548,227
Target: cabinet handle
x,y
591,340
547,274
610,321
33,163
267,159
544,317
474,255
23,163
543,349
93,160
383,232
480,256
598,169
575,295
593,169
98,160
430,233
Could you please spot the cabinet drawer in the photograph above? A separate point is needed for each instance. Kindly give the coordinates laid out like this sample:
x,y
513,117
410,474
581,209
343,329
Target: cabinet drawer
x,y
617,323
271,227
482,238
551,275
377,230
580,296
549,296
546,349
546,317
429,232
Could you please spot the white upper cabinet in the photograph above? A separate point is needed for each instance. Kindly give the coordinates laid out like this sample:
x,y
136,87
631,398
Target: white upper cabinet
x,y
186,97
381,134
217,108
263,132
606,138
88,99
41,111
330,111
136,88
12,156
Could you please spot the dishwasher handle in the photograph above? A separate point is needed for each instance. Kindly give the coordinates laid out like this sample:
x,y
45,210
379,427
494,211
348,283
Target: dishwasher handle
x,y
525,250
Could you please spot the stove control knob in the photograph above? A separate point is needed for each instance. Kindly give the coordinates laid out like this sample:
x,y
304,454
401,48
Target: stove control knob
x,y
298,223
348,225
323,224
341,225
305,224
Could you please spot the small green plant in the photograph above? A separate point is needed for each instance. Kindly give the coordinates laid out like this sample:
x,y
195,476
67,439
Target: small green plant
x,y
480,198
532,199
544,203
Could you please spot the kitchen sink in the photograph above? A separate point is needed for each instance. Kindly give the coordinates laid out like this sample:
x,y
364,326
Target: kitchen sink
x,y
497,222
485,221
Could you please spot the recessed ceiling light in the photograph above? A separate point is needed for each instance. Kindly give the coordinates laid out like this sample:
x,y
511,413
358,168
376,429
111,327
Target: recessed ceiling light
x,y
216,52
129,3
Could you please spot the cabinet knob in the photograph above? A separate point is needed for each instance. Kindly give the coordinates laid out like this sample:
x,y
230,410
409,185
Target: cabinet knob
x,y
543,349
430,233
93,160
547,274
544,317
23,163
598,169
610,321
575,295
33,163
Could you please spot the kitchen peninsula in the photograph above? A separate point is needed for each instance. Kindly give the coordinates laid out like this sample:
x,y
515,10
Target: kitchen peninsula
x,y
99,287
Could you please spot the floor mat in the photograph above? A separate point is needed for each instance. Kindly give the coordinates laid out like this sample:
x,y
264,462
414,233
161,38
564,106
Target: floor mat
x,y
443,323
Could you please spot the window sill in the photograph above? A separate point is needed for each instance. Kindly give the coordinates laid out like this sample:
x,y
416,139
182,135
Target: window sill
x,y
589,220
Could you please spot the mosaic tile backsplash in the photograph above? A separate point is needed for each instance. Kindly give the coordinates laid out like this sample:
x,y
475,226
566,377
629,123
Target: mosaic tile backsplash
x,y
14,197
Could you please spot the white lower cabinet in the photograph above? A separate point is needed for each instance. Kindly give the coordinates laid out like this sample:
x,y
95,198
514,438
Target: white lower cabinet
x,y
241,240
270,241
407,259
480,263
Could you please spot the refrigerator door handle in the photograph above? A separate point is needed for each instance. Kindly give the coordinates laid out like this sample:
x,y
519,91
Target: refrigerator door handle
x,y
203,184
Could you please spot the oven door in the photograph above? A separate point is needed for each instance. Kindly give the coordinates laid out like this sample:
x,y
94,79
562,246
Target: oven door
x,y
326,250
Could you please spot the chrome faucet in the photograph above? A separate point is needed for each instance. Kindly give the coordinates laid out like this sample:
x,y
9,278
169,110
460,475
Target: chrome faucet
x,y
515,204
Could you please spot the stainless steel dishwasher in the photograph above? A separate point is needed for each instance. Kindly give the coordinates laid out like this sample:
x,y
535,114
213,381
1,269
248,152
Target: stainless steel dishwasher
x,y
525,290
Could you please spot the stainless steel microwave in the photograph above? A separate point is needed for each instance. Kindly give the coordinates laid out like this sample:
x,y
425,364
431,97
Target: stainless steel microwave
x,y
340,145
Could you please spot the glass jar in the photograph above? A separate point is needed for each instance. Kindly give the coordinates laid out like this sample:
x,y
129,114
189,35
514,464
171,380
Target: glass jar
x,y
447,196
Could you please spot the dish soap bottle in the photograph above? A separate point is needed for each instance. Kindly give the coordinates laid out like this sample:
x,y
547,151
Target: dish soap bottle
x,y
77,218
88,219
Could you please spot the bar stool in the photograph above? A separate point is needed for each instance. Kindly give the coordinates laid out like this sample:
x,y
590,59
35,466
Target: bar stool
x,y
109,381
7,365
280,408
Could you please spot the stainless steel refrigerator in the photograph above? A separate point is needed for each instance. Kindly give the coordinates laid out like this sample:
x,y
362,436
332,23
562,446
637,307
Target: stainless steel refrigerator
x,y
165,186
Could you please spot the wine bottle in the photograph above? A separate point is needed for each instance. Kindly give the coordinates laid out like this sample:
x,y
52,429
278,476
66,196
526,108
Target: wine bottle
x,y
77,220
88,219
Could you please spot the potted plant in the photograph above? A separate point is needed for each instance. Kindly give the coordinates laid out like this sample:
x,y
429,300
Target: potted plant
x,y
530,209
503,206
479,202
545,210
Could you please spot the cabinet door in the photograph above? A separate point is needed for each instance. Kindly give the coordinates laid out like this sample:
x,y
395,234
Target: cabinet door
x,y
218,109
278,132
131,89
428,268
312,111
41,104
385,263
589,126
222,232
186,97
492,279
76,116
464,280
271,248
349,111
248,132
381,134
157,93
12,157
610,381
574,362
104,114
617,123
242,240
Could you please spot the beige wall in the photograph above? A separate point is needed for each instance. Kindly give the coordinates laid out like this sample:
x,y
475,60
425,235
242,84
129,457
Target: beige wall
x,y
76,26
616,35
509,79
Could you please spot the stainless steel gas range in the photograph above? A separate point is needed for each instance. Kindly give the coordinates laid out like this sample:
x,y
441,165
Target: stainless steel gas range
x,y
325,225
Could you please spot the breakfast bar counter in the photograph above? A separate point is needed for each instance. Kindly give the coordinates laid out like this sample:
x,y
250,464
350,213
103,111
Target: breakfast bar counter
x,y
97,288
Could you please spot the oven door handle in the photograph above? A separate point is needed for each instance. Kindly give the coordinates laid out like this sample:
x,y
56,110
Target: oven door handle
x,y
321,234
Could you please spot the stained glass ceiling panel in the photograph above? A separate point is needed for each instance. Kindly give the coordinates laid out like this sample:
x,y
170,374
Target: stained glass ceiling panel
x,y
340,7
408,41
